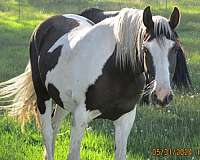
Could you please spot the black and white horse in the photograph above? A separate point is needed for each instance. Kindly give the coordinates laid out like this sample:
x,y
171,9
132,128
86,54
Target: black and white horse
x,y
95,71
179,75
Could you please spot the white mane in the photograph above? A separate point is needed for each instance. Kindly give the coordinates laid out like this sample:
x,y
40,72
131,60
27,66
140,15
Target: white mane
x,y
126,28
129,31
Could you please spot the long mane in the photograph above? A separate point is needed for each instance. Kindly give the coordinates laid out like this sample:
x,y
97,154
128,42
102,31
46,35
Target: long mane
x,y
130,31
126,27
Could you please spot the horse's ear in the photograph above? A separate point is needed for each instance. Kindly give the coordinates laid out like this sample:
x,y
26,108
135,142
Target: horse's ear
x,y
147,19
174,18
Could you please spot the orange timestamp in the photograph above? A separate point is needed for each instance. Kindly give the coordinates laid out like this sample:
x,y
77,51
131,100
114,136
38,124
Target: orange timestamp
x,y
172,151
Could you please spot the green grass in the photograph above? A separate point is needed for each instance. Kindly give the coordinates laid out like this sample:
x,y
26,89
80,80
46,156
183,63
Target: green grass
x,y
177,127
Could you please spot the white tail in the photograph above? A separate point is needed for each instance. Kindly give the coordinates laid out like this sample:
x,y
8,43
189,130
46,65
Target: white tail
x,y
18,97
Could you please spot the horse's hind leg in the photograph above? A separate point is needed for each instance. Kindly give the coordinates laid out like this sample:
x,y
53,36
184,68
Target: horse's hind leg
x,y
123,127
44,102
47,131
79,123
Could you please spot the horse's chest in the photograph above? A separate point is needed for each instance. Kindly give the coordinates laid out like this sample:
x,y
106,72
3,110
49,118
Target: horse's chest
x,y
114,94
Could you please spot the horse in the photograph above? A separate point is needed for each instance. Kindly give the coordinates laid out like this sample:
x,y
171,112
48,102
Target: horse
x,y
179,74
94,71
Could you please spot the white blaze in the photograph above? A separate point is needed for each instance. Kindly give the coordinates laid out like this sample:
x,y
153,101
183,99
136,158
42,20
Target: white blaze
x,y
159,50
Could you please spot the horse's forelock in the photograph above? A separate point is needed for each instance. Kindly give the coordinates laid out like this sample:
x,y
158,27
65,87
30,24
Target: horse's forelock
x,y
162,28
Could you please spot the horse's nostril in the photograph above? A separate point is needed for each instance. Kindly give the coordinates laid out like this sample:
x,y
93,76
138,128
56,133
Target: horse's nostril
x,y
168,99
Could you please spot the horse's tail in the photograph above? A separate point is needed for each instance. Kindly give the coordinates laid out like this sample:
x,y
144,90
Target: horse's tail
x,y
17,96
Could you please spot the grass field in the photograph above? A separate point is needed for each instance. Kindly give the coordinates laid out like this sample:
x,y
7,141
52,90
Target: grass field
x,y
177,127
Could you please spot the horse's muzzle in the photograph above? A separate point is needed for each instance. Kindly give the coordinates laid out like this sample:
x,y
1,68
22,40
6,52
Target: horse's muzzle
x,y
167,99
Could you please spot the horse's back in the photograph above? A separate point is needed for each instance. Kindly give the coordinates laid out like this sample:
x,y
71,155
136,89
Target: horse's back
x,y
50,37
97,15
46,45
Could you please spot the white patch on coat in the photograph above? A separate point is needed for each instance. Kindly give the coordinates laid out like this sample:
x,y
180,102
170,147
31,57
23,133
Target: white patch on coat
x,y
80,19
60,42
75,73
111,12
159,50
123,126
67,40
47,130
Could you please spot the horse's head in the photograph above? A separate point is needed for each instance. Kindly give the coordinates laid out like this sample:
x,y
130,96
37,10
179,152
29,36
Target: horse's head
x,y
159,48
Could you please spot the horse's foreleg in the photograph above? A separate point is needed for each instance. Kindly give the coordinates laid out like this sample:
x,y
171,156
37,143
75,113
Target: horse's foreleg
x,y
79,123
123,127
59,115
46,126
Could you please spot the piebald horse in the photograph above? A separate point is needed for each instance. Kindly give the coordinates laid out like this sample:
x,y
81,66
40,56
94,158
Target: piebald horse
x,y
179,75
95,71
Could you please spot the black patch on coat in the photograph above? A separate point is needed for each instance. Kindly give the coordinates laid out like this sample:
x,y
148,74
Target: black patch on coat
x,y
40,90
49,31
55,94
116,91
93,14
96,15
181,76
49,61
45,35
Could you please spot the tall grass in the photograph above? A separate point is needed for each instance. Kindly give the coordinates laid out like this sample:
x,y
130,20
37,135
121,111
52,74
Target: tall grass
x,y
176,127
